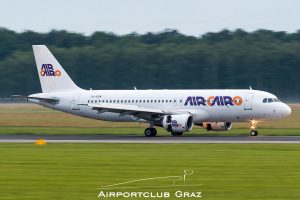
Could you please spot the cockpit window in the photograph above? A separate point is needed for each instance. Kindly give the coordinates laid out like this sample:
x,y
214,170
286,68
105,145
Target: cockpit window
x,y
270,100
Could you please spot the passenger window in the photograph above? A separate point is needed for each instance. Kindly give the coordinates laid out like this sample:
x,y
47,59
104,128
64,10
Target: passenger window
x,y
147,101
88,101
162,101
106,101
92,101
158,101
144,101
110,101
154,101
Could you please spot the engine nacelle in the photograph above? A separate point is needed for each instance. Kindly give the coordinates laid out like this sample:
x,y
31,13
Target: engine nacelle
x,y
178,122
217,126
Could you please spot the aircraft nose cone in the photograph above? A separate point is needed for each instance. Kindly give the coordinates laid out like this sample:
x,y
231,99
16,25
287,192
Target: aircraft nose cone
x,y
286,111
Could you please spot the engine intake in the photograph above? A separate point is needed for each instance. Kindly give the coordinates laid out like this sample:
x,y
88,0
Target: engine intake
x,y
178,123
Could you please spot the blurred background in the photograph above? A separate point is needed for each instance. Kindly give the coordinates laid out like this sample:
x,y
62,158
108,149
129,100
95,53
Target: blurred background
x,y
155,45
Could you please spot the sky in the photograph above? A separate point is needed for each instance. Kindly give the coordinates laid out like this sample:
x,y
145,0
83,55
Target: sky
x,y
190,17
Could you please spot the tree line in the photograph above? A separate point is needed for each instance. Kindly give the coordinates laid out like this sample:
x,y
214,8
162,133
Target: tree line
x,y
263,59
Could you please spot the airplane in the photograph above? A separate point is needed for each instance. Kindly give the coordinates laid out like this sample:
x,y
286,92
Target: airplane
x,y
177,111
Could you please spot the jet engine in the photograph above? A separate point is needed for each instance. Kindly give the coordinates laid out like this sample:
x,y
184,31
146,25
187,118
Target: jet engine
x,y
217,126
178,122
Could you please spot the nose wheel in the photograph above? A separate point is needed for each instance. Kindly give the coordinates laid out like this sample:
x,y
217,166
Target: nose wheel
x,y
253,127
253,132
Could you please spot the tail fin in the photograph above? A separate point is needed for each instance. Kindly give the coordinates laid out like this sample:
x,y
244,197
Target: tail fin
x,y
52,76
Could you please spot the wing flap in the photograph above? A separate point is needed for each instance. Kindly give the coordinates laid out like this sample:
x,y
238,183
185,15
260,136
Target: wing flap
x,y
119,108
134,110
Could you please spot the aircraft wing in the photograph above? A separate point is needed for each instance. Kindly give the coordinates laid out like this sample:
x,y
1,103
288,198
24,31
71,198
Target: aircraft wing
x,y
137,111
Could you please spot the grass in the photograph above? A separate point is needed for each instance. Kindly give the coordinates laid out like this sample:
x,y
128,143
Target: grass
x,y
138,131
76,171
34,119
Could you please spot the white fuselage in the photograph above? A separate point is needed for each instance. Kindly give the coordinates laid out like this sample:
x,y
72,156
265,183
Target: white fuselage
x,y
203,105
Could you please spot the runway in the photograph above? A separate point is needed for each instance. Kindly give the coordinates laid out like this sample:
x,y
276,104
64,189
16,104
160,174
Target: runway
x,y
31,138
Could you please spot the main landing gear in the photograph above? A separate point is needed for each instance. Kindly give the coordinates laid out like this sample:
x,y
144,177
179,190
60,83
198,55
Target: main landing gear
x,y
176,133
151,131
253,127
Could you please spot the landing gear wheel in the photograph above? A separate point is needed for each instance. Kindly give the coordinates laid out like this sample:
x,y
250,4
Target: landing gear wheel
x,y
150,132
253,132
176,133
253,128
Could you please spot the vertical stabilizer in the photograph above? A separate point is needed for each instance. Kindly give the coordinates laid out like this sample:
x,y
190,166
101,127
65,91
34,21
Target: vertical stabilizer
x,y
52,76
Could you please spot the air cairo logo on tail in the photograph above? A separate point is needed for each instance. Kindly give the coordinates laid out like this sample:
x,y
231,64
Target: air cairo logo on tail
x,y
48,70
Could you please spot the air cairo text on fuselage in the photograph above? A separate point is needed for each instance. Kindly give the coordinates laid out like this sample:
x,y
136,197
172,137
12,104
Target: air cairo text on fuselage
x,y
213,101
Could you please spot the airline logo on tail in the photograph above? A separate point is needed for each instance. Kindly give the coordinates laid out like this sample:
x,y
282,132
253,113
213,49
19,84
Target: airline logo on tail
x,y
48,70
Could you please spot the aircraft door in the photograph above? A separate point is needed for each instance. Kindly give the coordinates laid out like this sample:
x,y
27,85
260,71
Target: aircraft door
x,y
75,101
248,101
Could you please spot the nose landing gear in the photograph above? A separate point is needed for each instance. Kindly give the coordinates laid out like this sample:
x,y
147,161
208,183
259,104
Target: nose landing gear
x,y
253,127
